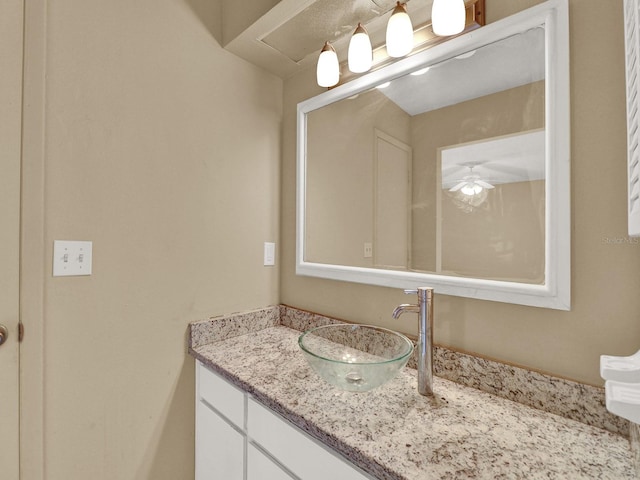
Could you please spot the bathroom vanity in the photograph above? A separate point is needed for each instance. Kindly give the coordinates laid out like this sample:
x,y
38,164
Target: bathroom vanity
x,y
236,434
261,409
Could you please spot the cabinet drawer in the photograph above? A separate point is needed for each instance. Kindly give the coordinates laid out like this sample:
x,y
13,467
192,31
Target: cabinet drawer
x,y
302,455
260,467
221,395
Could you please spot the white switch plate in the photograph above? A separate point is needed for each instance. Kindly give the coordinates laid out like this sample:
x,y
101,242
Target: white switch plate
x,y
269,253
71,258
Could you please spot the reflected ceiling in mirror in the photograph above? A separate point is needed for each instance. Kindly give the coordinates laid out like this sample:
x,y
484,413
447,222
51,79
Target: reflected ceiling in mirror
x,y
448,169
508,63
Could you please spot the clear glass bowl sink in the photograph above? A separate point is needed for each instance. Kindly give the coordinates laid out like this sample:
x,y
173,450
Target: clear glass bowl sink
x,y
356,358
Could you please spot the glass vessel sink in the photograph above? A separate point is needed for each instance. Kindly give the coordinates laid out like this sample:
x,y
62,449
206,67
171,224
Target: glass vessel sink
x,y
356,358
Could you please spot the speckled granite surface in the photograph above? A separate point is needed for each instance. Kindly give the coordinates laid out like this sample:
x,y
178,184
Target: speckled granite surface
x,y
394,433
635,446
584,403
577,401
228,326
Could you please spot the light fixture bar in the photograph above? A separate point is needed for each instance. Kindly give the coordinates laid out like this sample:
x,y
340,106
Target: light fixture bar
x,y
423,39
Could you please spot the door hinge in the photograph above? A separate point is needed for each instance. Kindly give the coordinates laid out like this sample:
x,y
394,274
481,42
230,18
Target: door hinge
x,y
20,331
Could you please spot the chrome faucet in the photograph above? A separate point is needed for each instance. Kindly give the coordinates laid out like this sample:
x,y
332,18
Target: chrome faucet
x,y
424,309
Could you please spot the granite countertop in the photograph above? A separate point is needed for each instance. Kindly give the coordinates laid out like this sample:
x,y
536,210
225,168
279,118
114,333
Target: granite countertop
x,y
392,432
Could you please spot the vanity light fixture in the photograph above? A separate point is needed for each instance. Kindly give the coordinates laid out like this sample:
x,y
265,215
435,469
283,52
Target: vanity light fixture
x,y
448,17
328,69
360,51
399,32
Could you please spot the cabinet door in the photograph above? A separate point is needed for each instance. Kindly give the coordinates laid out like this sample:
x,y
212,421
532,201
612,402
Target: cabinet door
x,y
261,467
219,447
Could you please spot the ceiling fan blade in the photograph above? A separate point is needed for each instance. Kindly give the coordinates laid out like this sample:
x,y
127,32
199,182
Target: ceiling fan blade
x,y
453,169
457,187
484,184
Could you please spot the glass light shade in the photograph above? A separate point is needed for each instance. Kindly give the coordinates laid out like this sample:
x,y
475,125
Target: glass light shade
x,y
469,202
328,69
448,17
471,189
399,32
360,51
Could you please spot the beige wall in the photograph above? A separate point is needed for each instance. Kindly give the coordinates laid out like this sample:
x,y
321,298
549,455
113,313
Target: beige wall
x,y
501,239
606,266
164,150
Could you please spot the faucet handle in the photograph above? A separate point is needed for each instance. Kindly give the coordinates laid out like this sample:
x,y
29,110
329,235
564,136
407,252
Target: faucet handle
x,y
422,292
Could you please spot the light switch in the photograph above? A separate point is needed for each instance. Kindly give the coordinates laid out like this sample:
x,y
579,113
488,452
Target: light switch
x,y
269,253
71,258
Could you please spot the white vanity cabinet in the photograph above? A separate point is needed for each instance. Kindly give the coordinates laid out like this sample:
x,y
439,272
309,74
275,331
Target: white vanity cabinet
x,y
237,438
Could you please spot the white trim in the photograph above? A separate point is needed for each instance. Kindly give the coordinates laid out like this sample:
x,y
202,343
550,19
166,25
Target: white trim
x,y
632,70
32,255
380,135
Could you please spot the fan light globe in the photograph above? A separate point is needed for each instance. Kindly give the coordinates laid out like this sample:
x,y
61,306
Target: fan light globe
x,y
360,51
328,69
448,17
399,32
471,189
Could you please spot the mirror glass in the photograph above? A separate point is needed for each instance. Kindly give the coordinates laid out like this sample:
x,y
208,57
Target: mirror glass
x,y
445,172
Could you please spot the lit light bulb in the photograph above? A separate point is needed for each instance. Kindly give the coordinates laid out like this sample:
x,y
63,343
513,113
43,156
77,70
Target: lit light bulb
x,y
360,51
448,17
471,189
399,32
328,69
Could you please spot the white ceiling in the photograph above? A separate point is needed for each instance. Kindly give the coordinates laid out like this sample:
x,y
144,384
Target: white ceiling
x,y
509,159
325,20
509,63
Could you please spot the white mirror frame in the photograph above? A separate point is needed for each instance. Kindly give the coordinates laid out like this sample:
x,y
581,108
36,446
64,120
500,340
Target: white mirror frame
x,y
556,292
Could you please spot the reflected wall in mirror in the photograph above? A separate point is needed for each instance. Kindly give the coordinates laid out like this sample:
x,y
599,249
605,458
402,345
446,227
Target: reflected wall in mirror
x,y
491,209
449,168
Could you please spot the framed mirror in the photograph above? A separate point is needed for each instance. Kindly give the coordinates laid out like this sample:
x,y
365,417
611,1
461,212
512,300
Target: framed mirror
x,y
449,168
